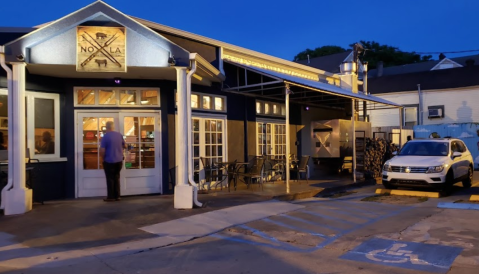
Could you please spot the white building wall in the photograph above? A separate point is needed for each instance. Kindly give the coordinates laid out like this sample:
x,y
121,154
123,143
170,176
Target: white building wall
x,y
390,117
460,105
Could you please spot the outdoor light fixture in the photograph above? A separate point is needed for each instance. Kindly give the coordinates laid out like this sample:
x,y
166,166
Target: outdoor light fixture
x,y
117,81
20,57
306,108
171,60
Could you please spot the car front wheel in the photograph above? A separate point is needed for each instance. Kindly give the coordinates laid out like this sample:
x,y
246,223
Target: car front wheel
x,y
467,183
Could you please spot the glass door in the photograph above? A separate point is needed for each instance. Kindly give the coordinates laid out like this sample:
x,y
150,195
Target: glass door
x,y
208,142
141,171
90,175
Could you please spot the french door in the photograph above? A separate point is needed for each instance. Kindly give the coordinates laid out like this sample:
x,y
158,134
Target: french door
x,y
141,167
208,141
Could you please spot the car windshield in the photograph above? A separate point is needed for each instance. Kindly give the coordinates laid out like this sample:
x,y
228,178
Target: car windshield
x,y
425,149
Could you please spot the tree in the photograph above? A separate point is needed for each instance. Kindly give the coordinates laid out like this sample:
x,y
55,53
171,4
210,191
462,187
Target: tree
x,y
374,52
321,51
389,55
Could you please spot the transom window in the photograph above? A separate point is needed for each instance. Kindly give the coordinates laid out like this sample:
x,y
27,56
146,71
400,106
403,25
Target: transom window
x,y
270,108
208,102
124,97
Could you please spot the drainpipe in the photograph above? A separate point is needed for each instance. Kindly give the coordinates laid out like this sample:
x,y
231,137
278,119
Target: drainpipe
x,y
189,148
10,125
419,93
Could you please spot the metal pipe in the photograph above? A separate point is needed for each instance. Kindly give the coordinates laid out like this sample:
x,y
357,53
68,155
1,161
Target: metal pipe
x,y
400,126
353,128
10,125
419,93
287,91
189,149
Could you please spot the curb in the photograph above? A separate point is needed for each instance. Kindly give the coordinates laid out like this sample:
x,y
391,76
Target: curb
x,y
458,206
409,193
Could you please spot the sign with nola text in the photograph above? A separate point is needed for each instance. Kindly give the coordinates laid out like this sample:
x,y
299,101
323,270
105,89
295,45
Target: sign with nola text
x,y
101,49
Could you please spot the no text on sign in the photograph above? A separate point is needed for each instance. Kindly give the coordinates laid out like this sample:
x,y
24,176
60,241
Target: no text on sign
x,y
416,256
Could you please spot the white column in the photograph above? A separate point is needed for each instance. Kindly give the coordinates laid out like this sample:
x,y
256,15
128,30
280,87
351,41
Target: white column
x,y
287,138
183,191
19,198
353,133
400,126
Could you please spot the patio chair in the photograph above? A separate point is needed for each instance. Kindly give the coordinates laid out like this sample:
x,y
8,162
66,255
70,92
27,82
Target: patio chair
x,y
172,173
253,172
302,167
212,172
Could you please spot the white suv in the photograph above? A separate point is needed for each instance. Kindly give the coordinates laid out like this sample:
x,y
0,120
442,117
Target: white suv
x,y
437,163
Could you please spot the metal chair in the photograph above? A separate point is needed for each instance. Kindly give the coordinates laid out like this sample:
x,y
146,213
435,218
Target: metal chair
x,y
213,172
254,171
172,173
302,167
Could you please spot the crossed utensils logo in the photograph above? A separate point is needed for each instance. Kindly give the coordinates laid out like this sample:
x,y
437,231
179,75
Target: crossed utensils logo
x,y
100,49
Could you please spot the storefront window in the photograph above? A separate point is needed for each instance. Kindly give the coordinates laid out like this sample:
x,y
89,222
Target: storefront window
x,y
44,126
266,109
86,97
127,97
271,139
258,107
3,122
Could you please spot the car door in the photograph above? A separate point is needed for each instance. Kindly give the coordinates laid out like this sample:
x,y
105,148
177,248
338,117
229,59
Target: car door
x,y
464,162
456,162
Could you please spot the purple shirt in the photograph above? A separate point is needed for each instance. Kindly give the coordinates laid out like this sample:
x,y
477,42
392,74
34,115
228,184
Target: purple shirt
x,y
113,144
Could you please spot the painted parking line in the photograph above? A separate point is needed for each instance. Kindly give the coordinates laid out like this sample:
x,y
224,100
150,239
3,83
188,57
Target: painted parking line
x,y
474,198
272,242
415,256
409,193
458,206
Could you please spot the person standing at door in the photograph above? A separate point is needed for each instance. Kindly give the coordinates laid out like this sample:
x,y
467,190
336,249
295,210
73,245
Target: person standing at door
x,y
111,152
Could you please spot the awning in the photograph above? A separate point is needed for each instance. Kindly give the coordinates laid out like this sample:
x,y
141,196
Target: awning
x,y
313,88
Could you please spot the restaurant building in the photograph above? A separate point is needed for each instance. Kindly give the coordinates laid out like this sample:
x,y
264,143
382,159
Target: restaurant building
x,y
164,88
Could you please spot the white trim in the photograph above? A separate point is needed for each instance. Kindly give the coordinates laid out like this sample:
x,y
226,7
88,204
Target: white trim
x,y
273,132
30,119
117,90
438,65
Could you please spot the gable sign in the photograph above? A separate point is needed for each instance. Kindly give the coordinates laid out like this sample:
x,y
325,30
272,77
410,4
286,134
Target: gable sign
x,y
101,49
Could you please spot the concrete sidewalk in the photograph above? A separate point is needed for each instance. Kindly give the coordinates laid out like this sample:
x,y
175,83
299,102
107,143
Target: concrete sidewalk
x,y
83,228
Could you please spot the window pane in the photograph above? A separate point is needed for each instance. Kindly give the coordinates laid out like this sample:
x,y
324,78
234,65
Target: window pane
x,y
258,107
147,129
283,110
219,126
266,108
44,126
148,155
132,156
86,97
90,143
194,101
206,102
3,122
130,129
275,109
213,125
196,125
218,103
107,97
149,97
127,97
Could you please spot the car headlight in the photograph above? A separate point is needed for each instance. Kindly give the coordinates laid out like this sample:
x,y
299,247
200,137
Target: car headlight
x,y
435,169
387,167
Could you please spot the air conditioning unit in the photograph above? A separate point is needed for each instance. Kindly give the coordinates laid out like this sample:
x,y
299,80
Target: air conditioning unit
x,y
435,113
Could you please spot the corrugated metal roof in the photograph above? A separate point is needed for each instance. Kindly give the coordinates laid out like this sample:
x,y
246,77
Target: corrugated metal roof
x,y
322,87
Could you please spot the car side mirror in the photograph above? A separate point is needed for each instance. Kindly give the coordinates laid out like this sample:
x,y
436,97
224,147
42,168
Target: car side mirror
x,y
395,153
456,154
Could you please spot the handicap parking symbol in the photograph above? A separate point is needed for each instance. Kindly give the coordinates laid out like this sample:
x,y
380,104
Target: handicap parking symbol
x,y
416,256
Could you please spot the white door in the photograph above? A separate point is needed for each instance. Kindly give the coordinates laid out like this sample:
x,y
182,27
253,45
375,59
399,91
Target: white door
x,y
141,169
142,166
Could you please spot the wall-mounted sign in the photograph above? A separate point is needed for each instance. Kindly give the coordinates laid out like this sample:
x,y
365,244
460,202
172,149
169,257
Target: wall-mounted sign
x,y
101,49
90,135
